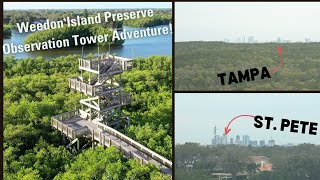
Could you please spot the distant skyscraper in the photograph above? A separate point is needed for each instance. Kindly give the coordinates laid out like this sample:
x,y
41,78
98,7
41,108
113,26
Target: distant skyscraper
x,y
279,40
250,39
238,140
254,143
307,40
231,141
217,140
262,143
214,140
246,140
224,139
271,142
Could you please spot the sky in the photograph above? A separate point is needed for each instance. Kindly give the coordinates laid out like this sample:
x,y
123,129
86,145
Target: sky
x,y
197,114
85,5
215,21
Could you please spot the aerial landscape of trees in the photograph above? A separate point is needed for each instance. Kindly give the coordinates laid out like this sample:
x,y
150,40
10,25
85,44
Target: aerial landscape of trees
x,y
36,89
298,162
12,17
150,21
198,63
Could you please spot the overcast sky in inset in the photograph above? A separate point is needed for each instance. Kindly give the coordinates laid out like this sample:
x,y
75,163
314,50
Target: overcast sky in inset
x,y
215,21
197,114
85,5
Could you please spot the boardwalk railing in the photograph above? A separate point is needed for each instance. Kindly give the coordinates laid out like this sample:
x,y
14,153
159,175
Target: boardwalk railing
x,y
136,145
67,115
57,122
106,139
75,84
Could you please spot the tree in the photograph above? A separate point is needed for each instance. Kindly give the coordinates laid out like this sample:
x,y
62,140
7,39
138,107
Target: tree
x,y
85,13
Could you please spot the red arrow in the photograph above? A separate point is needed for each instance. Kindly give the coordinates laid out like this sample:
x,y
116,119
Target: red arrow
x,y
281,59
227,130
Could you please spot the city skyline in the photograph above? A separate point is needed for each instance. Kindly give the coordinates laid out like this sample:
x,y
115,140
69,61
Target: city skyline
x,y
236,140
214,21
252,39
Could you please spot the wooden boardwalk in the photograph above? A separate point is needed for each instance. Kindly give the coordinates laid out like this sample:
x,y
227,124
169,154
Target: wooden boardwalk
x,y
72,125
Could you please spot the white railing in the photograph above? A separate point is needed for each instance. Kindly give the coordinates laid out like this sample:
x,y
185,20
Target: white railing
x,y
89,64
81,86
63,128
107,141
136,145
66,115
57,122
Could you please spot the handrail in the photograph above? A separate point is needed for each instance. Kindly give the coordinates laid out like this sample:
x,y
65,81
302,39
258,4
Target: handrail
x,y
75,84
135,144
63,128
66,115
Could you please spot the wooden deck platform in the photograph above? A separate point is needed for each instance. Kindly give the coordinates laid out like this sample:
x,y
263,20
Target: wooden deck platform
x,y
72,125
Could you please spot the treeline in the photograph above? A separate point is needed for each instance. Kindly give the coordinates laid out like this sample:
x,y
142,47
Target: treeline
x,y
198,63
155,20
7,30
17,16
295,163
67,32
36,89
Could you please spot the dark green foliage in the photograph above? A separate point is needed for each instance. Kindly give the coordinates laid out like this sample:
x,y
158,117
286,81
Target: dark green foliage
x,y
100,163
151,112
296,162
68,32
155,20
198,63
36,89
6,30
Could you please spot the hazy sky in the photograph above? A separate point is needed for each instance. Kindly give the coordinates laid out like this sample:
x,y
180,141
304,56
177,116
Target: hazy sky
x,y
215,21
85,5
196,115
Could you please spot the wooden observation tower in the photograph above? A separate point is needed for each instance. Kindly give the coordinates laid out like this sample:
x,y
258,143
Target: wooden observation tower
x,y
101,91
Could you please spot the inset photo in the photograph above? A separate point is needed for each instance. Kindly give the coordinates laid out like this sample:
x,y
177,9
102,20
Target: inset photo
x,y
251,136
247,46
87,90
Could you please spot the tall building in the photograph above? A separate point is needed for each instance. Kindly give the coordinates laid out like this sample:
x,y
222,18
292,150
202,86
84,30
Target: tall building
x,y
224,139
217,140
214,140
262,143
279,40
238,140
251,39
271,142
307,40
246,140
231,141
254,143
